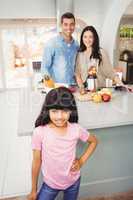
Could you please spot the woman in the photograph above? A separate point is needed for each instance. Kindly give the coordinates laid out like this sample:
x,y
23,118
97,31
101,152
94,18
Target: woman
x,y
90,54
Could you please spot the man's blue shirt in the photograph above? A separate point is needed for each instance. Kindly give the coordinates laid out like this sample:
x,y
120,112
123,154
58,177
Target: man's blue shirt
x,y
59,60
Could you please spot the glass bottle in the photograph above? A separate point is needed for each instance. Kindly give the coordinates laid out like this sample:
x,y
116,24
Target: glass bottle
x,y
92,79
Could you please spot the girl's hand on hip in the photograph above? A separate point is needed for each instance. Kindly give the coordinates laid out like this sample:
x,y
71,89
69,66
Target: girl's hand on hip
x,y
76,165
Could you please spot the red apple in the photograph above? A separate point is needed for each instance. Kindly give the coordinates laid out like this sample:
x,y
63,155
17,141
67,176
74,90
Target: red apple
x,y
106,97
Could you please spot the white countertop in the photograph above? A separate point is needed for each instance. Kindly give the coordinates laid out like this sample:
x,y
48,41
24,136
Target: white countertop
x,y
117,112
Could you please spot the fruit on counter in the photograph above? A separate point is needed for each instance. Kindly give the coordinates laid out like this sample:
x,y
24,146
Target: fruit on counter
x,y
92,94
48,81
83,97
105,91
106,97
97,98
100,96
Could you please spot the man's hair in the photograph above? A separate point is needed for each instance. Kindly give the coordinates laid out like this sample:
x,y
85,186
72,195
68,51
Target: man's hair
x,y
67,15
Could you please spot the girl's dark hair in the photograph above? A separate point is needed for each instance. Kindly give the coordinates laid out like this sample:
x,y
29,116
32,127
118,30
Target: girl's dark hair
x,y
59,98
95,47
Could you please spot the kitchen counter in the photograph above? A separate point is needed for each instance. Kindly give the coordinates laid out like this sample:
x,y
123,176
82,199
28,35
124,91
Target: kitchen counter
x,y
117,112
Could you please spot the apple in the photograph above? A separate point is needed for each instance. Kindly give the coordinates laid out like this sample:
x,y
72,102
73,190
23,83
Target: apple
x,y
106,97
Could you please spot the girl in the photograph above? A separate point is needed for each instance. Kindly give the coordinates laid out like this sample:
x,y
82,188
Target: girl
x,y
90,54
54,145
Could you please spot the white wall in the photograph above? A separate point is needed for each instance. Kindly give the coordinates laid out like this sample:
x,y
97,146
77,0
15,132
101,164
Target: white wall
x,y
103,14
129,10
27,8
90,12
105,6
93,12
62,7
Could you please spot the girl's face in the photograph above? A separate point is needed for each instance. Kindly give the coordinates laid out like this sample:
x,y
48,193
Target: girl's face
x,y
88,39
59,117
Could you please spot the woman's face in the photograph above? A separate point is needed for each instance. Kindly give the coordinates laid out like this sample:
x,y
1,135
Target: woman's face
x,y
59,117
88,39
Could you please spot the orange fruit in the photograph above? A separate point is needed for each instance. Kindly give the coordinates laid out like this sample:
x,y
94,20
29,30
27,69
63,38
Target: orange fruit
x,y
48,82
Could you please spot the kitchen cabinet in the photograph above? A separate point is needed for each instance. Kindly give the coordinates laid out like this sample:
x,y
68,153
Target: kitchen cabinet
x,y
18,170
15,152
5,132
127,70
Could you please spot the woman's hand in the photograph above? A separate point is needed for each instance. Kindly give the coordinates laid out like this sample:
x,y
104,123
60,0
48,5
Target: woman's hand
x,y
32,196
128,88
117,81
82,91
76,165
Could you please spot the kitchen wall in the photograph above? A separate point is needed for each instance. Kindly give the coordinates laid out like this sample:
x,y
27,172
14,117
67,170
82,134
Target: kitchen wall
x,y
127,20
27,9
104,15
123,43
111,24
91,13
129,10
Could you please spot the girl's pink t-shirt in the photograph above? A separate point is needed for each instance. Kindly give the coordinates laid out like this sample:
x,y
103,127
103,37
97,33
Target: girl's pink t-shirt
x,y
58,153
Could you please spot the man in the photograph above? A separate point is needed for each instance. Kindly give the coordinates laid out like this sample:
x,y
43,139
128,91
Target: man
x,y
60,53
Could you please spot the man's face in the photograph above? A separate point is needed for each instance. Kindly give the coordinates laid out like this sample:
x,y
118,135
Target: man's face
x,y
68,26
